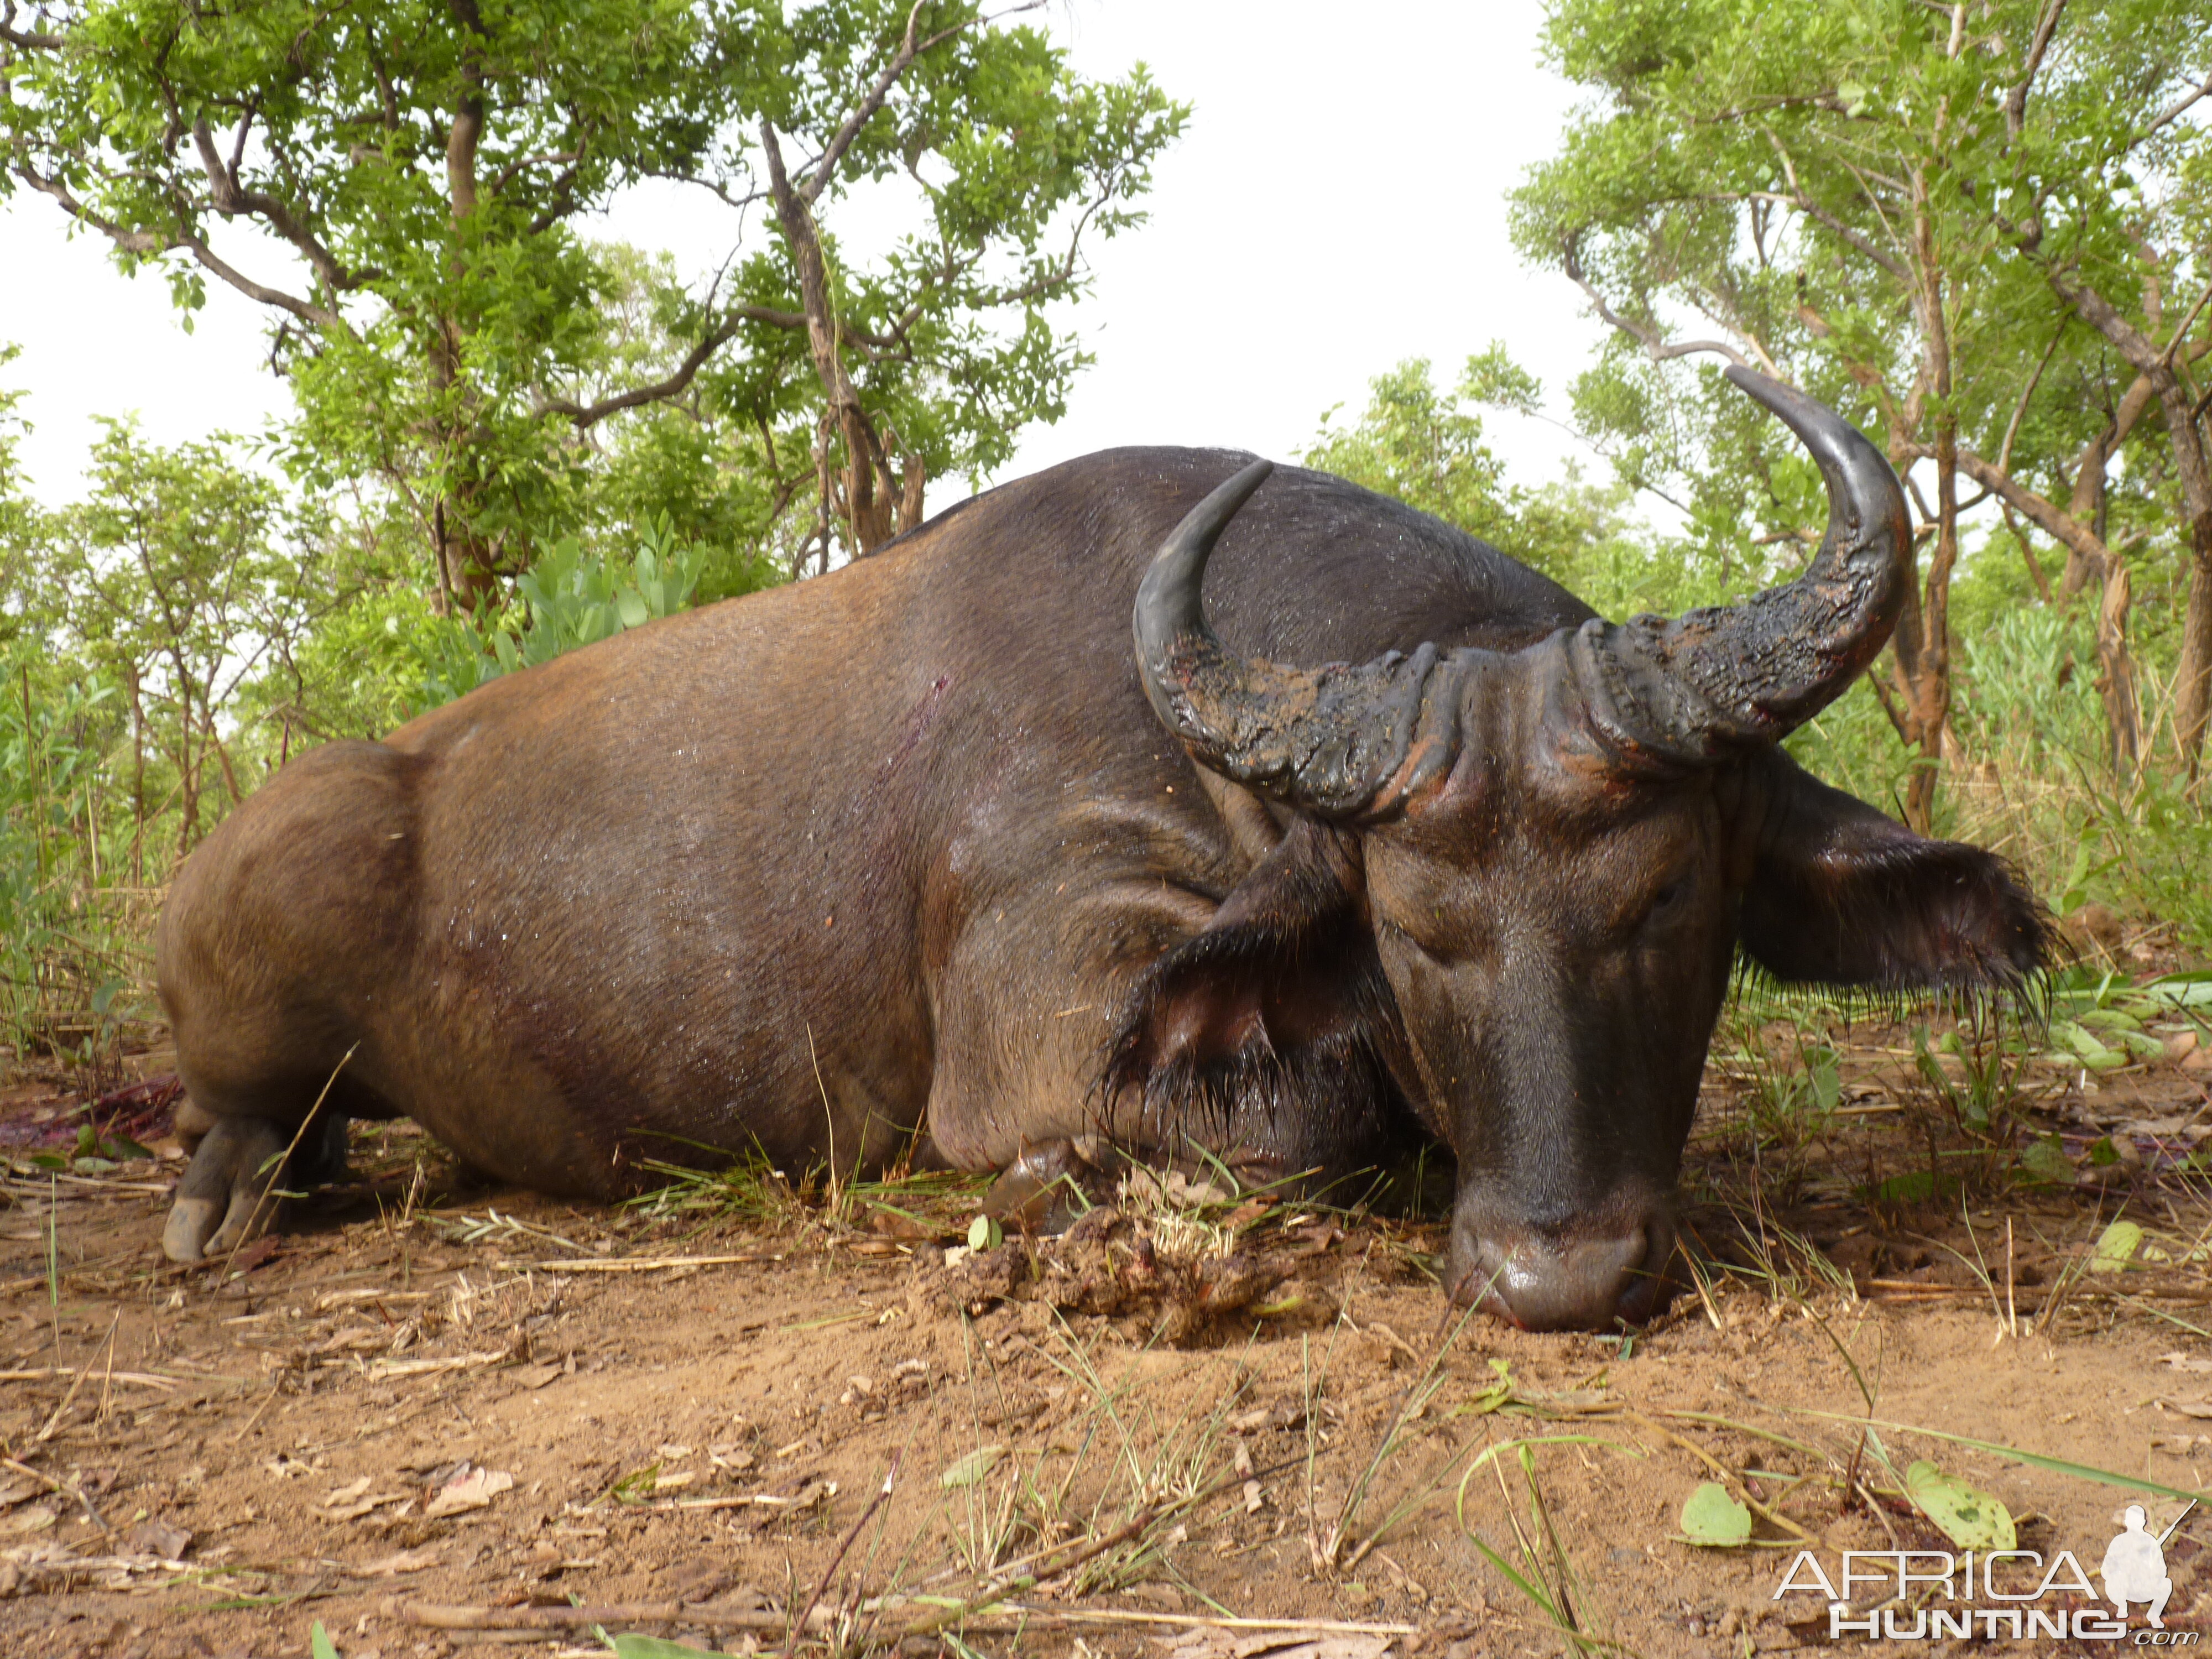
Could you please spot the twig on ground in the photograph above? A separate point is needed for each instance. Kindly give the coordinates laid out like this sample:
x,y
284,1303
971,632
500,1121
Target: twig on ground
x,y
1013,1619
644,1264
883,1495
77,1382
60,1490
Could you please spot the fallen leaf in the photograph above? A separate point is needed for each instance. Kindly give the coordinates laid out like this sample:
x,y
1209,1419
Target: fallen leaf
x,y
1972,1520
159,1537
359,1507
536,1376
259,1254
2182,1362
2116,1247
2197,1408
972,1468
393,1565
37,1518
658,1647
472,1490
347,1493
1713,1519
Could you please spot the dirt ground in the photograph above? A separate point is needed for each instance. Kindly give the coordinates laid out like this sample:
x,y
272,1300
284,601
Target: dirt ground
x,y
431,1416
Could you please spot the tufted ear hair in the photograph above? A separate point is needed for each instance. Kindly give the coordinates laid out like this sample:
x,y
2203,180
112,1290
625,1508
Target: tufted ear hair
x,y
1277,1007
1842,894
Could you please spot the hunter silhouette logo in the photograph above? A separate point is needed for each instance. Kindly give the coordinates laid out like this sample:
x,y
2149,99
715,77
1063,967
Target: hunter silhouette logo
x,y
2134,1568
1927,1595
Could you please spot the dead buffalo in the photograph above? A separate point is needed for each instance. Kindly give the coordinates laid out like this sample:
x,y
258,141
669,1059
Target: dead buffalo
x,y
920,854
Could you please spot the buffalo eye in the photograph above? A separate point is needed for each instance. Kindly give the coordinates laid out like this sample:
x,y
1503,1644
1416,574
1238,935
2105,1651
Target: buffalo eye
x,y
1668,900
1431,943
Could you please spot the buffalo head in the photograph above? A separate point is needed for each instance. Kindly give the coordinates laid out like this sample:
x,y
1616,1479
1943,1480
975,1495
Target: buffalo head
x,y
1548,859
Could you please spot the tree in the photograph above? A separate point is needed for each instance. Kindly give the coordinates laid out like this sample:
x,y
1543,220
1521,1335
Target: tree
x,y
421,172
175,583
1424,447
18,514
1833,185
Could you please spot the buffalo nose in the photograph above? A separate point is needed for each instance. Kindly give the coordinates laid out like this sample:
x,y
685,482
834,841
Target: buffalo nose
x,y
1570,1283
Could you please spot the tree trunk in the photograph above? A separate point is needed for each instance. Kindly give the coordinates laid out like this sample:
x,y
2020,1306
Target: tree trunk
x,y
1923,640
467,562
1930,686
875,503
2117,681
2192,694
138,774
2155,364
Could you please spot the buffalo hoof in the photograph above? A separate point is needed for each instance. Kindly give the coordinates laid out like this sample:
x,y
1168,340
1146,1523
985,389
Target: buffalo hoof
x,y
1047,1189
231,1189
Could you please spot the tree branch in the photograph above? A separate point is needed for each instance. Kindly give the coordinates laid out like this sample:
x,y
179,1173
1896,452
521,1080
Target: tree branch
x,y
864,112
468,128
1805,205
1645,336
2053,520
2015,103
709,186
2175,110
23,40
1811,209
513,170
148,244
2189,322
2012,428
589,414
229,196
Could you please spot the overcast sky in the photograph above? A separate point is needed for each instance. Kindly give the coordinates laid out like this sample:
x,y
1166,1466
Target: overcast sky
x,y
1336,204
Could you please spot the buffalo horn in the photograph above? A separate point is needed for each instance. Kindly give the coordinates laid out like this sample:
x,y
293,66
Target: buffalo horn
x,y
1692,688
1329,740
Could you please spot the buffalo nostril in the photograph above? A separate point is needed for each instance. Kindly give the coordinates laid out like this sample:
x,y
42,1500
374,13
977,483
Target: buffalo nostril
x,y
1583,1284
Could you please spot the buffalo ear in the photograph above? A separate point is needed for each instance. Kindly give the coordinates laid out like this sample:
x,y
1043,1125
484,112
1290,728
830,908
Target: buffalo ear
x,y
1842,894
1276,1013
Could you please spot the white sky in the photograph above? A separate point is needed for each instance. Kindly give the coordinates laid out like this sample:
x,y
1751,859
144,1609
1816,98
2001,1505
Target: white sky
x,y
1336,204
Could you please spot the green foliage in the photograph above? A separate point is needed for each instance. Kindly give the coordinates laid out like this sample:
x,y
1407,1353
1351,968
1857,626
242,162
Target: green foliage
x,y
174,580
1902,211
573,598
18,515
1424,447
61,962
452,339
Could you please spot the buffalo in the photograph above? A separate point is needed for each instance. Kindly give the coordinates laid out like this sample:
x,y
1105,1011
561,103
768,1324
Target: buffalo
x,y
1377,840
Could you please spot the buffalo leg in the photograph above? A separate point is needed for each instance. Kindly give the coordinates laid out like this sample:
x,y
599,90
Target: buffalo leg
x,y
230,1190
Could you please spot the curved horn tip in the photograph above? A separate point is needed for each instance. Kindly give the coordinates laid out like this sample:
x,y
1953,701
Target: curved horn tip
x,y
1226,497
1168,597
1765,391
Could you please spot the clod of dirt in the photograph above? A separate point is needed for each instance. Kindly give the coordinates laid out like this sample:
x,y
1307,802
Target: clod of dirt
x,y
1109,1265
